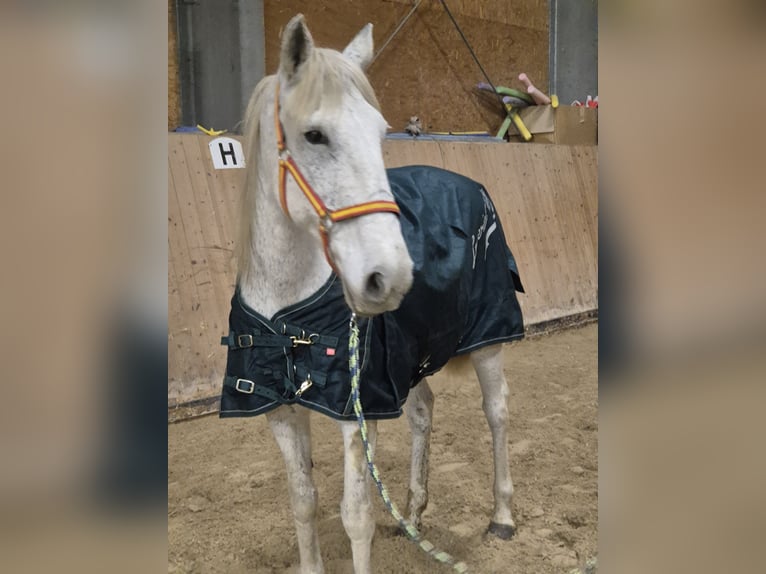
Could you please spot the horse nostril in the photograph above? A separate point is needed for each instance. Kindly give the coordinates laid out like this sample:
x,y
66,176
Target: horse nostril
x,y
375,285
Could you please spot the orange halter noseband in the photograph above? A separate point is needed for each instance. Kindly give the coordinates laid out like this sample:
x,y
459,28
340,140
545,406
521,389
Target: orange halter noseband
x,y
327,217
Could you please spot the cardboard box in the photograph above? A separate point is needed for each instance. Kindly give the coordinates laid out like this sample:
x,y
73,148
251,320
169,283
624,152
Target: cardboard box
x,y
566,125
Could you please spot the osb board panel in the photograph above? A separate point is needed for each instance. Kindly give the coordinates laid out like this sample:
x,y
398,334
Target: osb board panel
x,y
546,197
533,13
201,232
427,70
174,85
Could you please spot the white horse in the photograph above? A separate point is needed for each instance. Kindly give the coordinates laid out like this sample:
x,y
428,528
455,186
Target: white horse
x,y
331,125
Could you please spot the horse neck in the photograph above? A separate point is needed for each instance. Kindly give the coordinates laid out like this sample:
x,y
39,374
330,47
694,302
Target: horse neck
x,y
287,264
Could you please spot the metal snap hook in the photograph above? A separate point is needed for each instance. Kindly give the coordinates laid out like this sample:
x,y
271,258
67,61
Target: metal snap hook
x,y
305,385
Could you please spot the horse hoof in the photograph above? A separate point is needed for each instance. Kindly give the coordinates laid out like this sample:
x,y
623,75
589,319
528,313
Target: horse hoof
x,y
502,531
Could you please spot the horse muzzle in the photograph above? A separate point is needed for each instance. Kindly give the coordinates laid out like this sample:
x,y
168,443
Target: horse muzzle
x,y
379,290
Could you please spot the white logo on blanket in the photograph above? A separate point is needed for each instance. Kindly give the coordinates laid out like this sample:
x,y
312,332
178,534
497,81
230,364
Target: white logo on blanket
x,y
489,211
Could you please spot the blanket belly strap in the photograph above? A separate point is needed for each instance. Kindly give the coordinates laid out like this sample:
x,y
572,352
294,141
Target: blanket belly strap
x,y
293,337
255,339
254,387
250,387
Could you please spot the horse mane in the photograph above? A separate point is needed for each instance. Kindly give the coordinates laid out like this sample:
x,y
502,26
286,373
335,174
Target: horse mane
x,y
320,82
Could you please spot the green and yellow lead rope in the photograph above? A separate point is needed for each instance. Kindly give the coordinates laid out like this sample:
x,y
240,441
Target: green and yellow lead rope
x,y
411,532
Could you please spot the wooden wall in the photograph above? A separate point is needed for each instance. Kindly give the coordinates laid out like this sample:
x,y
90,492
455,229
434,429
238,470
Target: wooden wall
x,y
546,196
202,222
427,70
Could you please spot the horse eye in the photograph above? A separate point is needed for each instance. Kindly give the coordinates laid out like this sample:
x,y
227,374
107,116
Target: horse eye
x,y
315,137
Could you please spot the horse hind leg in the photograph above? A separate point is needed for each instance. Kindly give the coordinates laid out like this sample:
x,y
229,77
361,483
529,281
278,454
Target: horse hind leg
x,y
419,409
291,428
488,363
356,506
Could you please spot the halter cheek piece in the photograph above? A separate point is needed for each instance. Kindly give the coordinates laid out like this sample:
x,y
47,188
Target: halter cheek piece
x,y
327,217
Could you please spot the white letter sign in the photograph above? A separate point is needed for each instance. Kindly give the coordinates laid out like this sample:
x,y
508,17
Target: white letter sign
x,y
226,153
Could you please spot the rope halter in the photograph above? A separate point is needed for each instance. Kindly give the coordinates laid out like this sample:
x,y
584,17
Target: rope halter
x,y
327,217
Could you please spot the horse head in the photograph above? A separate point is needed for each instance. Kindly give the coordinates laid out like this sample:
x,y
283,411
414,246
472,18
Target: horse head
x,y
331,131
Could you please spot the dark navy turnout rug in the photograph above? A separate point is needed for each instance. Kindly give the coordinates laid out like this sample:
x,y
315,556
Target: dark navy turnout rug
x,y
463,297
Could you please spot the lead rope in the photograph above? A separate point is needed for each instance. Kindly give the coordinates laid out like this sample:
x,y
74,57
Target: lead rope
x,y
412,533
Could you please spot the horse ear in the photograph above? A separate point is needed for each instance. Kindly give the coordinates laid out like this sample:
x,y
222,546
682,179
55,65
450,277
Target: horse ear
x,y
359,49
297,45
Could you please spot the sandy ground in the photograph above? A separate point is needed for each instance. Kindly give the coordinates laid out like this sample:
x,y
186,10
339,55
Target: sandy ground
x,y
228,508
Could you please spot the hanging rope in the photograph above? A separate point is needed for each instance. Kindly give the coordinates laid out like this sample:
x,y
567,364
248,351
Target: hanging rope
x,y
412,533
395,32
473,54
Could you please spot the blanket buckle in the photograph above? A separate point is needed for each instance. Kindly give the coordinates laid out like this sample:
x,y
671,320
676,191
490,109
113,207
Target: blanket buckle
x,y
303,340
240,386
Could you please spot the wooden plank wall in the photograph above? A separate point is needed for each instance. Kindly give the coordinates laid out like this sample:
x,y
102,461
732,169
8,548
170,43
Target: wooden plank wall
x,y
202,222
546,196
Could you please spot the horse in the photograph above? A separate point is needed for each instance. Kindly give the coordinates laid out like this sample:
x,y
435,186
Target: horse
x,y
318,204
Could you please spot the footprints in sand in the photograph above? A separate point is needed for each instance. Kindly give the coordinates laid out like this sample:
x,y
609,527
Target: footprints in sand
x,y
521,447
551,537
450,466
546,418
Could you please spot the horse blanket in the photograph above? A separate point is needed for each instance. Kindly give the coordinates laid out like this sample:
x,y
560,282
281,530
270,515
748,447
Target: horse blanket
x,y
463,297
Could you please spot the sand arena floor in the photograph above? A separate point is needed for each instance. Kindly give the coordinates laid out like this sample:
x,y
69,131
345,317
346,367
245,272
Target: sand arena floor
x,y
228,508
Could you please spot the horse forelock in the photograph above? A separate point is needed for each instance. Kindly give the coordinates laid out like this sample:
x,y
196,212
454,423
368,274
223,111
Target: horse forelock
x,y
321,82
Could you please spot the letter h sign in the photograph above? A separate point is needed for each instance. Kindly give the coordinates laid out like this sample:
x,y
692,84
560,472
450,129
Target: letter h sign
x,y
226,153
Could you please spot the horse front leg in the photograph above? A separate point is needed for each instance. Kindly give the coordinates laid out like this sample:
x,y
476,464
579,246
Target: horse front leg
x,y
292,431
356,507
488,363
419,409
